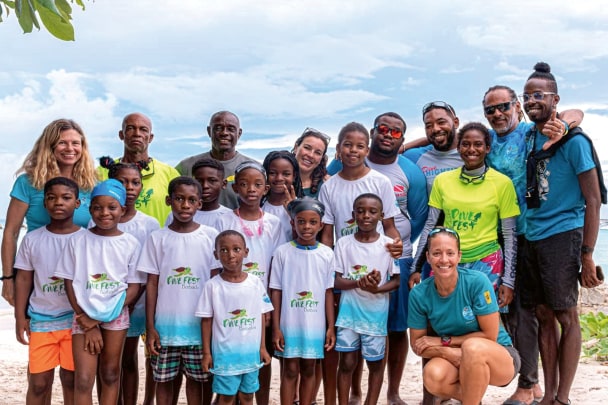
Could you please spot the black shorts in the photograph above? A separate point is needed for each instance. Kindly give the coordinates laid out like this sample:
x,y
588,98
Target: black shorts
x,y
550,272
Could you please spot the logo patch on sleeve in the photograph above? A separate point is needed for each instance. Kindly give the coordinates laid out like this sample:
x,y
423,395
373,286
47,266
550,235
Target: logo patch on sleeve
x,y
487,296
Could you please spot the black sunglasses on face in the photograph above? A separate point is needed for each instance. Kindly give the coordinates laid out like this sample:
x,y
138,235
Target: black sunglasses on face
x,y
502,107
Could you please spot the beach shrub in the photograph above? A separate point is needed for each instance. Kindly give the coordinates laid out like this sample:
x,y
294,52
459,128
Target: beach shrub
x,y
594,328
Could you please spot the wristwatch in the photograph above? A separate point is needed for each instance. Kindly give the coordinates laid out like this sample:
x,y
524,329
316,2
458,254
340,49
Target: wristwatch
x,y
586,249
446,340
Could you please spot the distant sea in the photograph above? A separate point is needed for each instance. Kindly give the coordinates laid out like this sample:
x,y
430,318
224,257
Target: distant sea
x,y
600,255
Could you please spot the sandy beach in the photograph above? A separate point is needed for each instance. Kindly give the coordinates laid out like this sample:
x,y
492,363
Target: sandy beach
x,y
589,386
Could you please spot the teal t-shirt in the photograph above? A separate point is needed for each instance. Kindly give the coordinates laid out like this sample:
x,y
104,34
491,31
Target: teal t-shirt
x,y
456,314
36,215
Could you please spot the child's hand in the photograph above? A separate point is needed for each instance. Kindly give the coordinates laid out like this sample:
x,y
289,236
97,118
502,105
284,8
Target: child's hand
x,y
370,281
85,322
22,329
396,248
289,195
278,340
153,341
264,356
414,279
93,341
207,362
330,338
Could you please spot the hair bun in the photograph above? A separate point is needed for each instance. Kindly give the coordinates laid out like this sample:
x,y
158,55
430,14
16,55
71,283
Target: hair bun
x,y
542,67
106,162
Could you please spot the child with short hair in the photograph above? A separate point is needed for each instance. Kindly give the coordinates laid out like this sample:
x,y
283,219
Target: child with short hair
x,y
233,306
140,225
48,329
178,260
98,266
363,267
301,283
210,173
262,232
284,180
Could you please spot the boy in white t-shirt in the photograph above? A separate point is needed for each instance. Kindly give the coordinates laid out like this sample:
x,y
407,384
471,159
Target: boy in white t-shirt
x,y
45,316
365,273
210,173
178,260
234,306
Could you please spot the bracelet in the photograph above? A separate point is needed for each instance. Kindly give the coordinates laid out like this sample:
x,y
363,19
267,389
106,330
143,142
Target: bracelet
x,y
12,276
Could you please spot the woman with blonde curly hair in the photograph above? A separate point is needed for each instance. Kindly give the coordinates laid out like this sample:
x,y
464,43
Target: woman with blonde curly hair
x,y
61,150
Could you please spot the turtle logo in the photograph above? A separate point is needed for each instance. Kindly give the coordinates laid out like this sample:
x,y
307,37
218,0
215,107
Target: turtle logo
x,y
305,295
359,270
55,280
98,278
182,271
238,313
55,285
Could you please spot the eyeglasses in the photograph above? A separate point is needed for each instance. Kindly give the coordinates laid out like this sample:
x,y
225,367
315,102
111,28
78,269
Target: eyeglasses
x,y
439,229
502,107
311,131
537,95
384,129
475,179
438,104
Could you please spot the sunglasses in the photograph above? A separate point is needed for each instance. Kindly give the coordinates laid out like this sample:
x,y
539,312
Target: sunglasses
x,y
384,129
475,179
438,104
502,107
439,229
311,131
537,96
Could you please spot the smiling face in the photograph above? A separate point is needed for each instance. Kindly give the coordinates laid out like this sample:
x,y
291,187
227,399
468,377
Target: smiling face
x,y
353,149
136,133
540,111
131,179
309,153
250,185
473,149
443,255
307,225
106,212
224,130
385,145
440,128
280,175
60,202
185,200
68,149
503,122
230,250
367,212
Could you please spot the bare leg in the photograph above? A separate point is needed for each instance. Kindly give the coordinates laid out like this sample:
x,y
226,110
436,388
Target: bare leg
x,y
164,393
569,350
330,376
39,387
194,392
177,385
548,341
289,380
348,364
318,378
245,399
85,371
110,360
150,384
67,385
376,375
129,386
307,380
262,397
355,388
397,347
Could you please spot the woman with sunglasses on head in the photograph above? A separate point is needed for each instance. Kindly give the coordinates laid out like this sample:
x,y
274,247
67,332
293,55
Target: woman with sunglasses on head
x,y
471,349
474,200
310,150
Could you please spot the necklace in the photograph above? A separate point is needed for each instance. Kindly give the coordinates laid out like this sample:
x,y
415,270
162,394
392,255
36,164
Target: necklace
x,y
246,230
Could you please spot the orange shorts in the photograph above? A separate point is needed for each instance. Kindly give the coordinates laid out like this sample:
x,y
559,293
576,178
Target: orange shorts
x,y
51,349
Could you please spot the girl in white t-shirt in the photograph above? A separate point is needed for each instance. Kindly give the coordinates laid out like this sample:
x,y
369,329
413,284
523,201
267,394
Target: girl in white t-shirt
x,y
284,181
139,225
100,280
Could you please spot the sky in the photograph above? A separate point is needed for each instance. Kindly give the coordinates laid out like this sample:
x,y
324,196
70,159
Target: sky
x,y
283,65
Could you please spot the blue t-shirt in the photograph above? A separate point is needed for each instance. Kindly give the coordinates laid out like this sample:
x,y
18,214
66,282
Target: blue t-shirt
x,y
456,314
36,215
508,155
433,162
562,204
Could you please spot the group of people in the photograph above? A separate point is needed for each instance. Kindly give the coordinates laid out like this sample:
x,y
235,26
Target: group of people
x,y
309,262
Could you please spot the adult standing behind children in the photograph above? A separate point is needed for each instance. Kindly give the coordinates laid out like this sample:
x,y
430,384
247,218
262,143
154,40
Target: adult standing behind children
x,y
136,135
310,150
224,129
61,150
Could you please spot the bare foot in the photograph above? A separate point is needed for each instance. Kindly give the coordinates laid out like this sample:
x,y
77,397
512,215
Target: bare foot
x,y
395,400
354,400
538,391
525,395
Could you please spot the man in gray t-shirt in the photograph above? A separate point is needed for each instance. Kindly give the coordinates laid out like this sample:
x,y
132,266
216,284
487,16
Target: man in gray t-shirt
x,y
224,129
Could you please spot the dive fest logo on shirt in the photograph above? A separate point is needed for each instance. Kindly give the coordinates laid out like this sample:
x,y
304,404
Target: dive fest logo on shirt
x,y
467,313
55,285
102,283
305,300
350,228
144,198
253,268
239,320
359,270
464,220
183,277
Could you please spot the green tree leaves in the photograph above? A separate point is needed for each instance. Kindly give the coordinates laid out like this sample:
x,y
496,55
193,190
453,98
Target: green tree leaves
x,y
55,15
